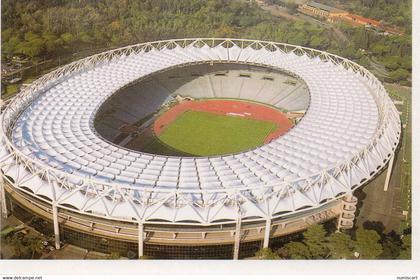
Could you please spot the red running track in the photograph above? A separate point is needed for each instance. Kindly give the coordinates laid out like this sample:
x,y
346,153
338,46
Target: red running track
x,y
228,107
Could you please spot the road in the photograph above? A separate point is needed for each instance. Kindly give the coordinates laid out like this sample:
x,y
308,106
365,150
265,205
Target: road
x,y
279,11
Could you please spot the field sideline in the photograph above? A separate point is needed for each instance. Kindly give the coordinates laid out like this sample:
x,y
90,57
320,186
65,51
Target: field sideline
x,y
208,134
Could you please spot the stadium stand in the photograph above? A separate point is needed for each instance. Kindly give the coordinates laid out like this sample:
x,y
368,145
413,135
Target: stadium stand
x,y
138,100
51,149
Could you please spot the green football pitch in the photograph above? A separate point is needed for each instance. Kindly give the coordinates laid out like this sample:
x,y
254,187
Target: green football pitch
x,y
207,134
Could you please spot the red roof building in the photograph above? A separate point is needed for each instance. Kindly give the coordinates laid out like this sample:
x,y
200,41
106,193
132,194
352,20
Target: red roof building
x,y
359,20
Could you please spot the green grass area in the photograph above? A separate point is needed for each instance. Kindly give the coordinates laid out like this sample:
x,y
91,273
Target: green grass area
x,y
207,134
11,89
404,94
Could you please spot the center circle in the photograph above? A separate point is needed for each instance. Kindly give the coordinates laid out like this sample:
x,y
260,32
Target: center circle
x,y
203,110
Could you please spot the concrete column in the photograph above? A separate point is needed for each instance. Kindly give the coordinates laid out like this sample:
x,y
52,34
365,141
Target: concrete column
x,y
388,173
56,227
348,197
141,240
267,233
4,212
237,238
348,210
11,206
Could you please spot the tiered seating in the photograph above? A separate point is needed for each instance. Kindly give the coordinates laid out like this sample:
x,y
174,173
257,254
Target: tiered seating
x,y
57,128
138,100
293,99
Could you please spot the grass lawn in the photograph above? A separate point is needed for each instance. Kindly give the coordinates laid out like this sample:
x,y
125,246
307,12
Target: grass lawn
x,y
11,89
207,134
405,173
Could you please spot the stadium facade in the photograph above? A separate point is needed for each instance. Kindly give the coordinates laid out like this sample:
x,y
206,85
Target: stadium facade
x,y
99,195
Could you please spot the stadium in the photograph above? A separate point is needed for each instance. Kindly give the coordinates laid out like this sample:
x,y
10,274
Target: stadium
x,y
195,148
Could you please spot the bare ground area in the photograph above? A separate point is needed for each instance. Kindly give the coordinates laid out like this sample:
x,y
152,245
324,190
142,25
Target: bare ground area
x,y
390,211
379,208
279,11
67,252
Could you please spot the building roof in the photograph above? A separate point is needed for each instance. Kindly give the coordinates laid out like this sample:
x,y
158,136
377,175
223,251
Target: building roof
x,y
349,131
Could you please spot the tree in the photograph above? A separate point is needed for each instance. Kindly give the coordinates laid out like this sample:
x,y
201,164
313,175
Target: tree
x,y
391,62
392,66
367,243
291,6
369,3
9,47
398,75
85,38
32,46
340,245
224,31
266,254
34,244
391,247
26,246
318,42
364,61
361,38
19,248
405,253
67,38
315,239
298,38
380,49
406,63
51,42
295,250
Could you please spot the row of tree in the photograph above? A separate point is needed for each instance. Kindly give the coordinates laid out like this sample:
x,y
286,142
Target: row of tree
x,y
364,244
393,52
52,28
